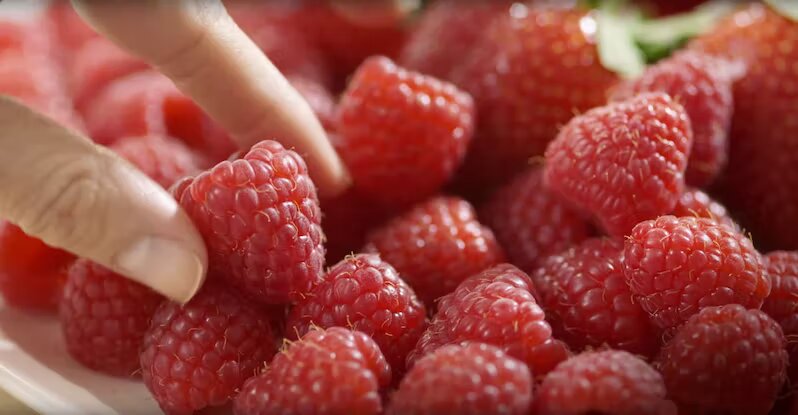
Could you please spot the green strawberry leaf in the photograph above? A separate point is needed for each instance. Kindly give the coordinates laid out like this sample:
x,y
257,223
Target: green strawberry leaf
x,y
786,8
616,46
658,38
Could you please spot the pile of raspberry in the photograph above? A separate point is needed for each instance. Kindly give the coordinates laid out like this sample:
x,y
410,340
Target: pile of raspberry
x,y
496,254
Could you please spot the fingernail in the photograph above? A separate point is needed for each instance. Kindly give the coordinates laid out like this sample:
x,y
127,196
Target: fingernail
x,y
163,265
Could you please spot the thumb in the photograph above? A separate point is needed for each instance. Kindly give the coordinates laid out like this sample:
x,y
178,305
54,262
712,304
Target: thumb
x,y
78,196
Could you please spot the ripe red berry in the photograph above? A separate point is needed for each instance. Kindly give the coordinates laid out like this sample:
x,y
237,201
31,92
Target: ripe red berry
x,y
260,219
677,266
436,245
782,303
331,372
495,307
608,382
104,317
623,162
446,33
696,203
163,159
364,293
532,69
530,222
401,134
703,85
587,301
71,30
475,378
198,355
725,360
32,274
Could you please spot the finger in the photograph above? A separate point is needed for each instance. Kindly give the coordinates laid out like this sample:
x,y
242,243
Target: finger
x,y
78,196
375,13
209,58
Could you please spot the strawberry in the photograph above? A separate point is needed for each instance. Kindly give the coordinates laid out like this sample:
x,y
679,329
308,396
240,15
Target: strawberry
x,y
761,176
534,68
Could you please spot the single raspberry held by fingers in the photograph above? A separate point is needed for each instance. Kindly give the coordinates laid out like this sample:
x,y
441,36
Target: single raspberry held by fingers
x,y
725,360
327,372
495,307
198,355
696,203
32,273
531,222
436,245
677,266
104,317
587,301
782,303
443,383
163,159
608,382
261,222
402,134
624,162
703,85
364,293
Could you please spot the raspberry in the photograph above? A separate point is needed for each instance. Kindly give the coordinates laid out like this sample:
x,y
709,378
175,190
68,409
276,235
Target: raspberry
x,y
198,355
495,307
782,303
587,301
696,203
163,159
32,274
95,64
725,360
436,245
104,317
364,293
624,162
319,99
387,116
443,382
327,372
445,34
530,222
703,86
609,382
677,266
71,30
260,219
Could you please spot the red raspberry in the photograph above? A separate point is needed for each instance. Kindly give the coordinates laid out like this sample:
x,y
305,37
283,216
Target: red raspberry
x,y
623,162
782,303
319,99
104,317
496,307
71,30
587,301
327,372
198,355
609,382
364,293
725,360
446,33
12,36
32,274
696,203
530,222
437,245
677,266
443,382
703,85
163,159
388,114
260,219
95,64
533,68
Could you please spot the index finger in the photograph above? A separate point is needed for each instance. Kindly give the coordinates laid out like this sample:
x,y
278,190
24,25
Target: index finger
x,y
198,46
